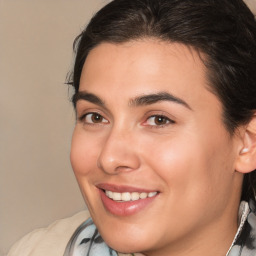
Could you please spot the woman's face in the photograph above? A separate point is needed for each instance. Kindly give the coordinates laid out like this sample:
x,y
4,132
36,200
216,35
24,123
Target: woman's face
x,y
151,154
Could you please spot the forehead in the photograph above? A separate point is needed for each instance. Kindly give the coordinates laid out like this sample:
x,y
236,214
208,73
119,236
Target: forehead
x,y
148,55
144,67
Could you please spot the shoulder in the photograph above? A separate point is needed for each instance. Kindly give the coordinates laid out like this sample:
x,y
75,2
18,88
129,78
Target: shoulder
x,y
50,241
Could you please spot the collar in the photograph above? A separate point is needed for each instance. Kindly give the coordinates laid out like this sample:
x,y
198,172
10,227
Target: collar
x,y
244,243
242,216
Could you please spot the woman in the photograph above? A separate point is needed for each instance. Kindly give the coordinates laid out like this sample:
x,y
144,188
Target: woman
x,y
164,148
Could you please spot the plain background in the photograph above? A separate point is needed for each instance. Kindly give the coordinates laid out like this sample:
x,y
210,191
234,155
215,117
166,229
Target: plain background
x,y
37,185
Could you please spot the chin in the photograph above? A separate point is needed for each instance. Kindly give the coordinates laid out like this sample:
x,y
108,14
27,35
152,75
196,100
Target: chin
x,y
125,246
128,241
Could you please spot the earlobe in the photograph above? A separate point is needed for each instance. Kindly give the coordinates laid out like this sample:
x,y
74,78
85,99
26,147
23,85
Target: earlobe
x,y
246,160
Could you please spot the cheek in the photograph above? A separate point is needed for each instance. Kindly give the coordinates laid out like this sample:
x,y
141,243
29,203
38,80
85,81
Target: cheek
x,y
175,158
193,180
83,155
190,167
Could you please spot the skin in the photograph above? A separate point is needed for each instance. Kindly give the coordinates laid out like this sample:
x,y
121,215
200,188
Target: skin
x,y
189,157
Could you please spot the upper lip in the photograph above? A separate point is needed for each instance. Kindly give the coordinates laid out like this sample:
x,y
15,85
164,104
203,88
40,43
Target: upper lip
x,y
122,188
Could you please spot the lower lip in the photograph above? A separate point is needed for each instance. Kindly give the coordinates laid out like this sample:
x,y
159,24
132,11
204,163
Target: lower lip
x,y
124,208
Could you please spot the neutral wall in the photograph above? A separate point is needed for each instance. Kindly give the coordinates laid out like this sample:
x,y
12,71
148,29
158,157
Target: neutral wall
x,y
252,5
37,185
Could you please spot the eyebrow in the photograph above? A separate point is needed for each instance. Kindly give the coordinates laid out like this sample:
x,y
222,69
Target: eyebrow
x,y
142,100
149,99
88,97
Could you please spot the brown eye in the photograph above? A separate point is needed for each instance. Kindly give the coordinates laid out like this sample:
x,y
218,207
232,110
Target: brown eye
x,y
94,118
158,120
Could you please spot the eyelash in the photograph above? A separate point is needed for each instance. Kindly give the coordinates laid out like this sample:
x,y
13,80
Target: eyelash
x,y
165,119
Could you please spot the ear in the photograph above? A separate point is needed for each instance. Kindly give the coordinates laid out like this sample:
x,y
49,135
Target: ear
x,y
246,160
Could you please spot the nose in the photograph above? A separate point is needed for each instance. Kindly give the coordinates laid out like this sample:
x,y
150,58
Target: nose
x,y
118,154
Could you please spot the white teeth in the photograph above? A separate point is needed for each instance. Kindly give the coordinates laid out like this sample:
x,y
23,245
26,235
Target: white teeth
x,y
127,196
109,194
151,194
143,195
135,196
117,196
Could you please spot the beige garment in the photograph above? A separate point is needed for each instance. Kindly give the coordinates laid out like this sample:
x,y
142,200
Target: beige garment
x,y
50,241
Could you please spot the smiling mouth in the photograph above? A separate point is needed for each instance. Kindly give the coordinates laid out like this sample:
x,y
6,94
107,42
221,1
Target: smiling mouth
x,y
128,196
125,200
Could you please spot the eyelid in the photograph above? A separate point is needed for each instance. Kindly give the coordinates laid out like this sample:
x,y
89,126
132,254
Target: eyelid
x,y
84,107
